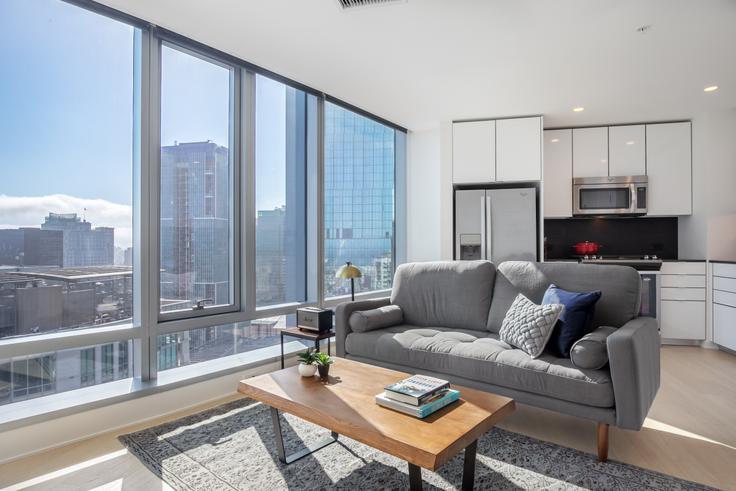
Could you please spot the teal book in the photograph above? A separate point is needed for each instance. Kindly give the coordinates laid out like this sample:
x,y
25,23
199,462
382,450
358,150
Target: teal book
x,y
443,399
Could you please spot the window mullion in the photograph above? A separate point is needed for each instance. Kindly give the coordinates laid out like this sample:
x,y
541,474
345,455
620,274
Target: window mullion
x,y
248,196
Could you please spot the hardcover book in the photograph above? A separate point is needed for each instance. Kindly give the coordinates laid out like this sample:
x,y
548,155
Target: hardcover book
x,y
416,389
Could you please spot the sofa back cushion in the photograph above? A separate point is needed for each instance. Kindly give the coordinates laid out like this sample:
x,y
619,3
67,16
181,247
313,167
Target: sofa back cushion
x,y
455,294
619,285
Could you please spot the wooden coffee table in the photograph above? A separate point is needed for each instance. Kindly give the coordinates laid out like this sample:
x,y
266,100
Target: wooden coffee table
x,y
345,405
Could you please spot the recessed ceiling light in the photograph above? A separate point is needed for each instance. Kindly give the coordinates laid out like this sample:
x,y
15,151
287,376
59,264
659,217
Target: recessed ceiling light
x,y
578,109
710,88
555,140
630,142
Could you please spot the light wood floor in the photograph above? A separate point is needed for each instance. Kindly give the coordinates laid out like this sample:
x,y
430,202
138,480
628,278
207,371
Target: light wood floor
x,y
690,433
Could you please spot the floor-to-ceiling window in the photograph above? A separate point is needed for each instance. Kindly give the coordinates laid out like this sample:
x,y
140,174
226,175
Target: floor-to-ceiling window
x,y
359,200
67,135
163,204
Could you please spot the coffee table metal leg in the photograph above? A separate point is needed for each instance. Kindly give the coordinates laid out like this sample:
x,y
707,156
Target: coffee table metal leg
x,y
469,466
415,477
288,459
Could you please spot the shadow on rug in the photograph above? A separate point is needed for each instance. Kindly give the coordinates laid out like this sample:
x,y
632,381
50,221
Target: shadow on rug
x,y
232,447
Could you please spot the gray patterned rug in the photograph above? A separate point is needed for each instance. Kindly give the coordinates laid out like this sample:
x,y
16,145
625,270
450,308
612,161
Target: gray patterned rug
x,y
232,447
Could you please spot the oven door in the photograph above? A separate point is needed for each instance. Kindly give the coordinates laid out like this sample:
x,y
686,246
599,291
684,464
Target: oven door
x,y
605,199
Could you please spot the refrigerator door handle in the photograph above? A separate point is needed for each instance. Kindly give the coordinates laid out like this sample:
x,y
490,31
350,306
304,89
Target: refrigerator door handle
x,y
489,228
483,228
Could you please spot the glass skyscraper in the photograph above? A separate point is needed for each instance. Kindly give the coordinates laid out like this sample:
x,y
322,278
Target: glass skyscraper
x,y
359,167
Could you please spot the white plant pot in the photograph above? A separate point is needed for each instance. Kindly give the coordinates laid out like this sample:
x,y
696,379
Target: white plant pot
x,y
307,370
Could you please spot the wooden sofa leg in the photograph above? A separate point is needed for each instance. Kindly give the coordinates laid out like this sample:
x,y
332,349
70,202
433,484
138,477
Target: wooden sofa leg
x,y
602,442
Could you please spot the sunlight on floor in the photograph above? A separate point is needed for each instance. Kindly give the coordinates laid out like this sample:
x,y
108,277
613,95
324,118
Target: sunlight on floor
x,y
69,470
659,426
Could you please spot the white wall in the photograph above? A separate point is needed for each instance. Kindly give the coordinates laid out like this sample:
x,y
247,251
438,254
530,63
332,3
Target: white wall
x,y
711,230
423,204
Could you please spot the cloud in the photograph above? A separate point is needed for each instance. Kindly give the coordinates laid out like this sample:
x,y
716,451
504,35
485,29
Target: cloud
x,y
29,211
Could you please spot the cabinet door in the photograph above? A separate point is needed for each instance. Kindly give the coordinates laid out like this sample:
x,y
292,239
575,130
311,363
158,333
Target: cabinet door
x,y
724,326
519,149
557,181
590,152
682,319
626,150
474,152
669,167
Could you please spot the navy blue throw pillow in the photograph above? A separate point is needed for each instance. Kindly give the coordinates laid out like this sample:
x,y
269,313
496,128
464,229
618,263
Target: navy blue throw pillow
x,y
575,320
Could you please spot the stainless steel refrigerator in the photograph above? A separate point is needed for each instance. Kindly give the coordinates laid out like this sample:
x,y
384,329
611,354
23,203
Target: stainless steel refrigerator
x,y
496,224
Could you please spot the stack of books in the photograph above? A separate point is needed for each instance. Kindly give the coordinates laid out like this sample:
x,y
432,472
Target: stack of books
x,y
418,396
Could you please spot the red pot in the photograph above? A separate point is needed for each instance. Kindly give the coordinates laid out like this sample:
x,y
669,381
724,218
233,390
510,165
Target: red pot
x,y
586,248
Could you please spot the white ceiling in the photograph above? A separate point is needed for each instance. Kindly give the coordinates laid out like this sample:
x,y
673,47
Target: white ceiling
x,y
424,61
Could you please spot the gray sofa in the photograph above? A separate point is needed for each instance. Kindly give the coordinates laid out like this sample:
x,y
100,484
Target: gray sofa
x,y
452,313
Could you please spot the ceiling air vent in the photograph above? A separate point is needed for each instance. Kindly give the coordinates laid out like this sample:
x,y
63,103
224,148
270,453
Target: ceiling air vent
x,y
351,4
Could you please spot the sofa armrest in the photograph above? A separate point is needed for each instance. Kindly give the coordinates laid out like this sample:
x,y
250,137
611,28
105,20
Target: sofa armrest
x,y
342,318
633,356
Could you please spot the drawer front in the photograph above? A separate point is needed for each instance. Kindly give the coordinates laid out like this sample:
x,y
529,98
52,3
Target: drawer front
x,y
682,320
682,281
725,284
682,268
720,269
683,294
724,326
724,298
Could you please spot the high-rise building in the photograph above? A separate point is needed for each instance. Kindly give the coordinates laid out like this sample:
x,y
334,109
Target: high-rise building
x,y
271,272
195,222
31,247
358,199
83,245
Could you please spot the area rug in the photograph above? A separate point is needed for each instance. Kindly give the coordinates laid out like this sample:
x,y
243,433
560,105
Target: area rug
x,y
232,447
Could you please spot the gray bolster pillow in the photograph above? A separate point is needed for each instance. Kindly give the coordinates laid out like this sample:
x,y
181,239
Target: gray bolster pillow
x,y
591,352
368,320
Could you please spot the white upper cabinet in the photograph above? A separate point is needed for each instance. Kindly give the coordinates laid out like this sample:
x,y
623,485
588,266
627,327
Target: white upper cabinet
x,y
519,149
669,167
557,173
474,152
590,152
626,150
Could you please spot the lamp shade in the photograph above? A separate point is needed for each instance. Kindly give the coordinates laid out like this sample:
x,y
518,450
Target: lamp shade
x,y
348,271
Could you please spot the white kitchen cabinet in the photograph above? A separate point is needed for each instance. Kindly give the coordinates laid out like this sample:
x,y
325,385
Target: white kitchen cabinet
x,y
519,149
682,300
590,152
557,173
474,152
669,167
724,305
627,150
682,319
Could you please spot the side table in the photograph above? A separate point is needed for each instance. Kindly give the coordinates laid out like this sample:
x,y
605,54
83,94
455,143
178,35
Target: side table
x,y
295,332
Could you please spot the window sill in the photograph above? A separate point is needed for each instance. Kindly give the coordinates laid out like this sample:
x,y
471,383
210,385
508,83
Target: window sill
x,y
31,411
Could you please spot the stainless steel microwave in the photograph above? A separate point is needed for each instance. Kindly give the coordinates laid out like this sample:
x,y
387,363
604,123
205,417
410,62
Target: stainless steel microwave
x,y
625,195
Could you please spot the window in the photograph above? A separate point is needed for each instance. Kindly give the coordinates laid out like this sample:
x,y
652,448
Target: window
x,y
67,134
210,343
129,155
281,193
359,176
196,213
37,375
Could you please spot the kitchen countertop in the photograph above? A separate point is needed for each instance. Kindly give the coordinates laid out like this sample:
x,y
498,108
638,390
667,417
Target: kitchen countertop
x,y
722,261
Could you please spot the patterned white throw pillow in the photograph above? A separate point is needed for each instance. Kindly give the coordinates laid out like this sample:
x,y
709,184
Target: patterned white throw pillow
x,y
528,326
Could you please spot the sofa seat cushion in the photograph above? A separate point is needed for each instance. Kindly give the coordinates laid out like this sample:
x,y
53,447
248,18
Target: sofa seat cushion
x,y
483,357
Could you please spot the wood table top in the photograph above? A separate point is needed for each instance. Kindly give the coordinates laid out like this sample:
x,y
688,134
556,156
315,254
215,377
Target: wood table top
x,y
345,404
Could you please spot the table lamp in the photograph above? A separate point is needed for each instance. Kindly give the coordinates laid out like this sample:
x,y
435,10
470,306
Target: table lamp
x,y
352,272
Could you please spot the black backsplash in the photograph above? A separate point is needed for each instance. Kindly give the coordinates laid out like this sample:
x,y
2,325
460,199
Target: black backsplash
x,y
618,236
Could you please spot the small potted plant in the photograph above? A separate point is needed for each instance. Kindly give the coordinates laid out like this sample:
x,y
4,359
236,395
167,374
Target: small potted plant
x,y
323,362
307,366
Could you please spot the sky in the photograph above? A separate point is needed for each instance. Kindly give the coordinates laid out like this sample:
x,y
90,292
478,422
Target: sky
x,y
66,116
